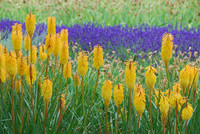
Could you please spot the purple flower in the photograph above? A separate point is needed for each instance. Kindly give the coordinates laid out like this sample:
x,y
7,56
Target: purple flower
x,y
140,38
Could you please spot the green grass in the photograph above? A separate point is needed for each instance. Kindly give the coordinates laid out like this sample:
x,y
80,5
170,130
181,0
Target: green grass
x,y
158,12
73,118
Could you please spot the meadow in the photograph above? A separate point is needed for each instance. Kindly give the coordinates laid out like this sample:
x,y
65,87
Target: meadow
x,y
99,71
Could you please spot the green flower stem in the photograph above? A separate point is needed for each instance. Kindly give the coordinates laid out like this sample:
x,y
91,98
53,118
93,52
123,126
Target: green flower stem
x,y
83,107
13,112
129,107
117,119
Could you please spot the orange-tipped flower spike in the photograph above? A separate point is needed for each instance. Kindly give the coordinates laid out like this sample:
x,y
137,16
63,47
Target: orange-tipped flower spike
x,y
166,49
34,55
43,54
50,43
130,74
64,53
164,107
185,77
56,51
21,66
51,26
11,64
98,56
139,102
17,37
30,71
150,77
82,63
107,92
27,42
187,112
118,94
30,24
67,70
47,90
64,35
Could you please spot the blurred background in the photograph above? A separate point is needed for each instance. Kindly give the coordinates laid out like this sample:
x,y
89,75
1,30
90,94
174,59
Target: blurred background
x,y
106,12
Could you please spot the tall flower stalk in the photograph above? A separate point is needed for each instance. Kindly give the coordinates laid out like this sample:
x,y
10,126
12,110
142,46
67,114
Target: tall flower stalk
x,y
130,77
118,99
164,109
67,74
11,69
64,55
98,62
150,80
46,93
106,94
82,70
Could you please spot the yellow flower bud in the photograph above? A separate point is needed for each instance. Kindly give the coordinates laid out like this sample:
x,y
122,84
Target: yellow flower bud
x,y
76,80
67,70
166,49
64,53
187,112
2,75
27,42
17,37
56,50
21,66
130,74
185,77
164,107
107,92
98,56
11,64
82,63
150,78
47,90
43,54
118,94
139,102
64,35
30,70
50,43
62,100
51,26
30,24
